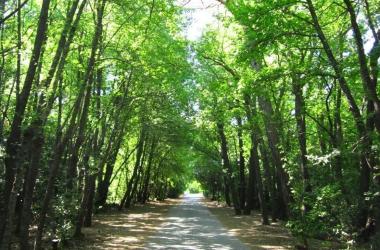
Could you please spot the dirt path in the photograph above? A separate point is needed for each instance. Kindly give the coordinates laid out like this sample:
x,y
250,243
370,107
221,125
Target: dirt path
x,y
250,230
124,230
190,225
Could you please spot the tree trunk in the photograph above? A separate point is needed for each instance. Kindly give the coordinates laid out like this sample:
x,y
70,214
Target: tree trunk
x,y
86,200
269,183
369,84
103,185
90,202
274,144
337,139
145,193
227,166
88,80
227,191
131,198
241,164
254,161
363,140
14,139
299,107
139,152
38,138
61,145
254,169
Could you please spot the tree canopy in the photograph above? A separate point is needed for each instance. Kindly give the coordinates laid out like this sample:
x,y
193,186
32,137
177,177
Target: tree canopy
x,y
106,103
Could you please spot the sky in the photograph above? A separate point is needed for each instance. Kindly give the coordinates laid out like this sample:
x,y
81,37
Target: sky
x,y
202,14
204,11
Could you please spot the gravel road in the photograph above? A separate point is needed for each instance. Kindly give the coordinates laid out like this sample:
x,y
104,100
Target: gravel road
x,y
190,225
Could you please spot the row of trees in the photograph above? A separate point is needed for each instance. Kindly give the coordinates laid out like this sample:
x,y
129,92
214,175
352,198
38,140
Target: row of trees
x,y
291,90
104,101
93,103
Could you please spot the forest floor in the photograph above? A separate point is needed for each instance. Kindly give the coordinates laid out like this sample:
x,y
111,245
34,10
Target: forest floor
x,y
250,230
127,229
187,223
190,225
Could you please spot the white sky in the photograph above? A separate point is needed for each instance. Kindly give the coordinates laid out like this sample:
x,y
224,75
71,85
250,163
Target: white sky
x,y
204,11
202,14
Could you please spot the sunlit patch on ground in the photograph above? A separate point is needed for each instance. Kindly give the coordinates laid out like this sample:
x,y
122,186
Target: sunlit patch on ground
x,y
175,224
191,226
125,230
250,230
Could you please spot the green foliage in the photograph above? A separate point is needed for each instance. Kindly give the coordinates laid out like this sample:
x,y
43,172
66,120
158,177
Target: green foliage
x,y
328,214
176,188
148,77
194,187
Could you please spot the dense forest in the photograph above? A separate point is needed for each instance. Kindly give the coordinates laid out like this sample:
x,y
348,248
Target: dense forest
x,y
106,103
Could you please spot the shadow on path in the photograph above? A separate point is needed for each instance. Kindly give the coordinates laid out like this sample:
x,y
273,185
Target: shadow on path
x,y
190,225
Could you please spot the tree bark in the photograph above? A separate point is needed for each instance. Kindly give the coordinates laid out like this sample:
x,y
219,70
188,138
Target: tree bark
x,y
254,169
145,192
37,127
274,144
61,145
299,107
363,140
369,84
241,164
86,200
269,183
227,166
14,139
88,80
139,152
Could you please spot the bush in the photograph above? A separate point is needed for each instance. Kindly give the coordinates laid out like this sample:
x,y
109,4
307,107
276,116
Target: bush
x,y
328,217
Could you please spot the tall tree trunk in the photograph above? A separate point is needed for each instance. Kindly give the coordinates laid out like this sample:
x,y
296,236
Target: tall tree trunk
x,y
88,80
134,194
85,202
145,188
255,167
252,197
105,182
227,191
269,183
299,107
96,151
254,163
14,139
227,166
61,145
113,148
2,10
369,84
363,140
37,127
87,221
241,164
337,139
274,144
139,152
